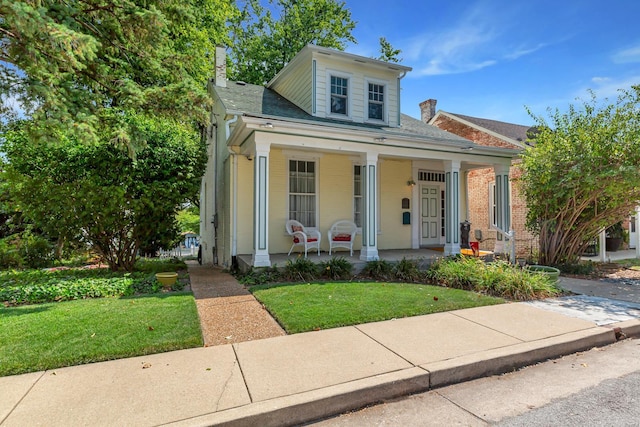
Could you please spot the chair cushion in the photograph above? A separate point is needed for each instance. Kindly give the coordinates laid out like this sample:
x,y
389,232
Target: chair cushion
x,y
309,240
341,238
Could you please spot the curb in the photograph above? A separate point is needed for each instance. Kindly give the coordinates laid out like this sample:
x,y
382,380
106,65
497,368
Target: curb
x,y
334,400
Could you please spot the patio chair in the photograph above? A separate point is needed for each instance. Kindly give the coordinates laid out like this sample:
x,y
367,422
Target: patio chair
x,y
302,236
341,235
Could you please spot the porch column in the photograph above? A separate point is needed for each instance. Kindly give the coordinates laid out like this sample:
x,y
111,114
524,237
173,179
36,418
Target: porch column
x,y
602,243
452,207
369,251
503,205
637,242
261,207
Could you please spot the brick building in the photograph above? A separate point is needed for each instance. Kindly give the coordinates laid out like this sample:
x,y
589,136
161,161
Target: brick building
x,y
481,182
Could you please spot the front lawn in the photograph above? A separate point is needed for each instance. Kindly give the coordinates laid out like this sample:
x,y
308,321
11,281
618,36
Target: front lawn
x,y
52,335
312,306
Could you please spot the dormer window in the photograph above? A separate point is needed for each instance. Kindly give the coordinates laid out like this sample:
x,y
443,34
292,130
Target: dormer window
x,y
339,95
376,101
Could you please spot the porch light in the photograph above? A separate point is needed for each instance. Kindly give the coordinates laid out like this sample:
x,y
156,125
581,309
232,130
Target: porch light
x,y
467,148
380,139
267,125
411,183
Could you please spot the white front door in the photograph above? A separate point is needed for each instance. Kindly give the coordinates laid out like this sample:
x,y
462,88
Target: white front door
x,y
633,237
430,215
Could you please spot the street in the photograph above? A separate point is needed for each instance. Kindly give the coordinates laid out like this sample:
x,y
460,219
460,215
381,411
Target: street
x,y
600,387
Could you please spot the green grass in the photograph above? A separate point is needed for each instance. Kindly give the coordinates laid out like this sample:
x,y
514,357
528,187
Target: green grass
x,y
629,262
53,335
311,306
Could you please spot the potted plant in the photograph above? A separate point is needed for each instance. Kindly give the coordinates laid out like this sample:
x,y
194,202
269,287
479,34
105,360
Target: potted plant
x,y
615,237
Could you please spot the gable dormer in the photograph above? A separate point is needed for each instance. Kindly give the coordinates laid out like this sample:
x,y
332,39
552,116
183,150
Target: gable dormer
x,y
336,85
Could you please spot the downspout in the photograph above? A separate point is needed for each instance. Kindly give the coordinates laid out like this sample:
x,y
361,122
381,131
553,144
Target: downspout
x,y
234,191
404,73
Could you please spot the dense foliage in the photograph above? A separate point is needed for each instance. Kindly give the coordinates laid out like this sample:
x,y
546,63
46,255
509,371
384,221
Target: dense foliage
x,y
498,278
18,287
76,65
99,195
581,175
266,38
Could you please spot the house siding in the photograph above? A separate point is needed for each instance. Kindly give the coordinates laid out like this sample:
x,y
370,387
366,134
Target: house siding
x,y
359,75
298,88
394,175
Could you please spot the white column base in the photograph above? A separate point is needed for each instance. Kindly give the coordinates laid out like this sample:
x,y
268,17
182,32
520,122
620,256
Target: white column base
x,y
369,254
451,249
261,260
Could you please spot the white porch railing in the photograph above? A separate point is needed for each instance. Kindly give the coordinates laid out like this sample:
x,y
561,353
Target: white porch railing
x,y
510,240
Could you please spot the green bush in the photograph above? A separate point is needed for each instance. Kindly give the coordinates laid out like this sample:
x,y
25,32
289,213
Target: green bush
x,y
378,270
337,268
259,276
580,268
301,269
61,284
35,251
498,278
407,270
9,256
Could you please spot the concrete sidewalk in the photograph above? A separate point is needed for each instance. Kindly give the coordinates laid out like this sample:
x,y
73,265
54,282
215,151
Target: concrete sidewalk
x,y
292,379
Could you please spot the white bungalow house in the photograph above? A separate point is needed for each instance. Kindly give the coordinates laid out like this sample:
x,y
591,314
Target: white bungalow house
x,y
325,141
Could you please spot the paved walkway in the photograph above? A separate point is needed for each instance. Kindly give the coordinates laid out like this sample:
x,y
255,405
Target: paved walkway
x,y
228,312
292,379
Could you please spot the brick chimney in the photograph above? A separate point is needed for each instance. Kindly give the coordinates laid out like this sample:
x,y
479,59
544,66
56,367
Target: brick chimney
x,y
220,77
428,110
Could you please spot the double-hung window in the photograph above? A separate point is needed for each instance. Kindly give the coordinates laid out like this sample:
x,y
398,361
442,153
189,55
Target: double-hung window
x,y
376,101
358,190
339,95
302,192
493,207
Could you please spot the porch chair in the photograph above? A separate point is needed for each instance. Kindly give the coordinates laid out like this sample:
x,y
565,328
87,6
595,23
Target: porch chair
x,y
341,235
303,236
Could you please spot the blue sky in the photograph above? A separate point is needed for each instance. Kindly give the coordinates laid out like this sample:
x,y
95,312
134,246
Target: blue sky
x,y
491,58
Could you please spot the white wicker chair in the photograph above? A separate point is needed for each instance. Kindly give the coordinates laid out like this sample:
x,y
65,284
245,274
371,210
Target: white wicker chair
x,y
303,237
341,235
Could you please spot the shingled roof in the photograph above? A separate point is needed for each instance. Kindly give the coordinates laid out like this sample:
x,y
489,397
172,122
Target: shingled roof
x,y
509,130
258,101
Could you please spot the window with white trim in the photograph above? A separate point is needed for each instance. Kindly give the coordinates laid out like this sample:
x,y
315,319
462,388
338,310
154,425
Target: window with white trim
x,y
376,101
493,208
339,98
302,192
358,190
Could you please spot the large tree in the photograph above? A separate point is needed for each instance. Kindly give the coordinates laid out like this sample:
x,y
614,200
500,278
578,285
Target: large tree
x,y
77,65
582,174
266,38
98,194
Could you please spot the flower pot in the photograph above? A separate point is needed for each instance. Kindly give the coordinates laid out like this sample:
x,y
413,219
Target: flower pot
x,y
612,244
551,272
167,279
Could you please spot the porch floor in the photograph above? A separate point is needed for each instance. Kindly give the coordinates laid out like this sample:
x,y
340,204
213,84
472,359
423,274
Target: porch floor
x,y
424,256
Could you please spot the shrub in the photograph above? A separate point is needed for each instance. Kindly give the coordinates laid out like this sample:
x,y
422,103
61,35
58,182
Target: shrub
x,y
300,270
498,278
9,256
337,268
259,276
378,270
407,271
35,251
580,268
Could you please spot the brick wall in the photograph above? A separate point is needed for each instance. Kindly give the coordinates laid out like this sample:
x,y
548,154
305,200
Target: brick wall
x,y
478,188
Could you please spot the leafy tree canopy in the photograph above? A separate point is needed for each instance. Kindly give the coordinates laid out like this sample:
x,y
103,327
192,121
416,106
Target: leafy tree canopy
x,y
265,39
387,52
98,194
582,174
78,65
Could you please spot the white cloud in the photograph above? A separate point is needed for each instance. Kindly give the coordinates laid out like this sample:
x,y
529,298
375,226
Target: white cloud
x,y
606,87
523,51
627,56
